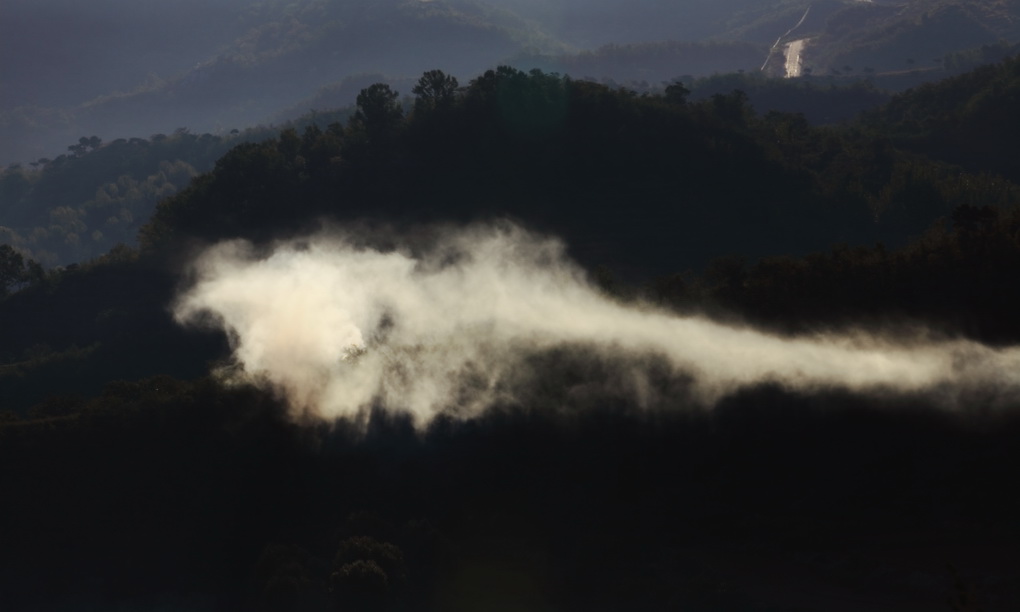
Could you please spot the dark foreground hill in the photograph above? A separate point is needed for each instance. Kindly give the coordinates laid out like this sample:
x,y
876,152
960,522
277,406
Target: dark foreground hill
x,y
161,494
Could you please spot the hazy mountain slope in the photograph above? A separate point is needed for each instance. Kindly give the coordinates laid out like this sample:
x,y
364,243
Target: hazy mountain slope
x,y
651,63
81,204
65,52
249,63
911,35
120,69
595,23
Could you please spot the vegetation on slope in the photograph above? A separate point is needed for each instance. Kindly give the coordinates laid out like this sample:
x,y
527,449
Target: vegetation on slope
x,y
968,119
78,206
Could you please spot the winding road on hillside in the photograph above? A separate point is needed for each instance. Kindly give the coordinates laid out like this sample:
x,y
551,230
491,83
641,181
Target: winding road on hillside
x,y
779,42
794,64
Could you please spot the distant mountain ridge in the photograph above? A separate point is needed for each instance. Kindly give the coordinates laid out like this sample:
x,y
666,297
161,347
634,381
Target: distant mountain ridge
x,y
120,69
248,65
911,35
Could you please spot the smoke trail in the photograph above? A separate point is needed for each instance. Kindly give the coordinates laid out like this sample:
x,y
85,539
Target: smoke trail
x,y
455,326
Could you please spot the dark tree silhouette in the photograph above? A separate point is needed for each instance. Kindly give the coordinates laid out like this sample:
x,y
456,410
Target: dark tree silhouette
x,y
378,110
12,269
676,93
435,89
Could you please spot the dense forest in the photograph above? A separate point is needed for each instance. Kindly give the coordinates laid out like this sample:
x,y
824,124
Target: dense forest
x,y
140,474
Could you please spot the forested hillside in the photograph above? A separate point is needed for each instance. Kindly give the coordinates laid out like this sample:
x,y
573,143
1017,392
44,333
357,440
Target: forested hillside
x,y
80,205
144,470
967,120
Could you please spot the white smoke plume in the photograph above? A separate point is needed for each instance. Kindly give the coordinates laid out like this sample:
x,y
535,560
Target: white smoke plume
x,y
454,326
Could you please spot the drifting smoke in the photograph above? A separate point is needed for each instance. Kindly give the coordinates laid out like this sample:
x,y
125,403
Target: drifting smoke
x,y
477,315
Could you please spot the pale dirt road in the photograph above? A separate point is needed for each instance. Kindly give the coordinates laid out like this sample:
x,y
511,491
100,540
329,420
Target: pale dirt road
x,y
794,64
780,39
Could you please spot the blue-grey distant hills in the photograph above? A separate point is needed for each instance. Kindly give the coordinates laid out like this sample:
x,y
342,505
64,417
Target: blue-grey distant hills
x,y
120,68
115,70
